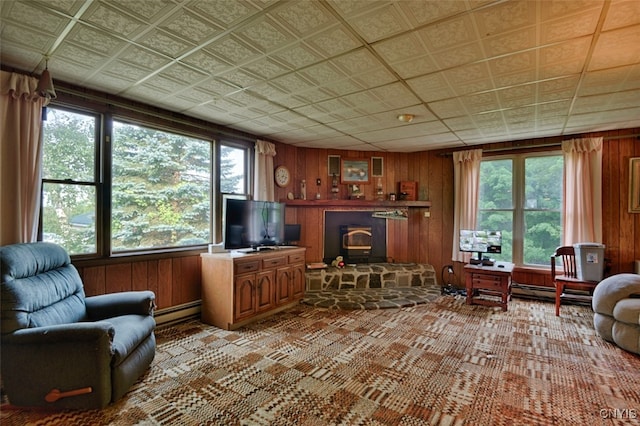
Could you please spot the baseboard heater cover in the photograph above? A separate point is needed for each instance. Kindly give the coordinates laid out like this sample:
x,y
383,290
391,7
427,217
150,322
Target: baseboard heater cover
x,y
178,313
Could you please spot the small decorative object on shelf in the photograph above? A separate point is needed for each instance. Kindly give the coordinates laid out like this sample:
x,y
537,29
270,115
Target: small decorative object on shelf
x,y
318,183
334,187
355,193
303,189
379,191
408,190
392,196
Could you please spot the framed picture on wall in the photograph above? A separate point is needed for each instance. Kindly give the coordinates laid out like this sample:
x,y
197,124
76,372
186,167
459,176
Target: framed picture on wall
x,y
354,170
634,185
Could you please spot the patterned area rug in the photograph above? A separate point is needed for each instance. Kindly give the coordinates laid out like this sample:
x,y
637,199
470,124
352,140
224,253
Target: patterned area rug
x,y
436,363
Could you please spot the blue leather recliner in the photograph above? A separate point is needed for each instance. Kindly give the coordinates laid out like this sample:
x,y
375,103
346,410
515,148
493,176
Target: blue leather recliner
x,y
59,348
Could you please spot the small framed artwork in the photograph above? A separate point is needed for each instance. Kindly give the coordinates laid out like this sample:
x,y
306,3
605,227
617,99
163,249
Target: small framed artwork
x,y
354,171
634,185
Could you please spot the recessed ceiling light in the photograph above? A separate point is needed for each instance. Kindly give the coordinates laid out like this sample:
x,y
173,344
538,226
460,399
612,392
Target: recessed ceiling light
x,y
406,118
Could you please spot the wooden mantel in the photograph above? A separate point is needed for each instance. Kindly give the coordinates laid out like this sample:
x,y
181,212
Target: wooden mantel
x,y
357,203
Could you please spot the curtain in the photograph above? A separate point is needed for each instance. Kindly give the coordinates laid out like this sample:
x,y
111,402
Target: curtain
x,y
263,185
466,185
582,201
20,157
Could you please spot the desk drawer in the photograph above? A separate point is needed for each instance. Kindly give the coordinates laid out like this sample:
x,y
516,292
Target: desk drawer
x,y
488,282
296,258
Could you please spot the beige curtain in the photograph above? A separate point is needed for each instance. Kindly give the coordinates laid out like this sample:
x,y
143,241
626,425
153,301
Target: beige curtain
x,y
582,203
20,157
263,185
466,185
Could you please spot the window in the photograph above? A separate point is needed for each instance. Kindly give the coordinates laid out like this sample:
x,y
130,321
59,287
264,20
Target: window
x,y
70,191
233,177
522,196
161,189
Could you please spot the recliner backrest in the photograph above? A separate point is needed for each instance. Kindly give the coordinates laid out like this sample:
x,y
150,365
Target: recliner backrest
x,y
40,287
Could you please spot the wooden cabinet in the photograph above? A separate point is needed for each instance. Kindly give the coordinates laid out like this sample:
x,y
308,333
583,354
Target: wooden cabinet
x,y
241,287
488,285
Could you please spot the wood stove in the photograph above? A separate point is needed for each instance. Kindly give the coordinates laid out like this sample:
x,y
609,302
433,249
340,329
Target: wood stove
x,y
356,242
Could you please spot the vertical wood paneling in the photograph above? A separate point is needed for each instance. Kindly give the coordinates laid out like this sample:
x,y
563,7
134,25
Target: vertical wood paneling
x,y
118,277
94,280
140,276
164,296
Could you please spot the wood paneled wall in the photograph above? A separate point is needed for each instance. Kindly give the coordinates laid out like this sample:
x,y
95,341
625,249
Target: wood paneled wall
x,y
176,279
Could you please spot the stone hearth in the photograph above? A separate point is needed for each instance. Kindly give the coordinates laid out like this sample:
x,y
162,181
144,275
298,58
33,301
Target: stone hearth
x,y
374,275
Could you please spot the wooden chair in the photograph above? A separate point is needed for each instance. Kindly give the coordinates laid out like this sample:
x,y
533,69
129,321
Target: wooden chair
x,y
568,279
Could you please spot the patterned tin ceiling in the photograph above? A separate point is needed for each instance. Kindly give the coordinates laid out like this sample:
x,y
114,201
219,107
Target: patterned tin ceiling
x,y
336,73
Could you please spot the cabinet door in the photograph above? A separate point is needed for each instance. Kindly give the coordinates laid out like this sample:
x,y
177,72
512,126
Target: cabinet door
x,y
283,285
243,296
265,290
297,281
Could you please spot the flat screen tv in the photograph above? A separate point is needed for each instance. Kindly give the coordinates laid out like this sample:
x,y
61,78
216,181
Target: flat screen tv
x,y
253,224
481,242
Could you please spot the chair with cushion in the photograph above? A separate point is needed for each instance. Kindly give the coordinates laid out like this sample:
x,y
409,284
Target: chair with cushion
x,y
568,279
616,303
61,349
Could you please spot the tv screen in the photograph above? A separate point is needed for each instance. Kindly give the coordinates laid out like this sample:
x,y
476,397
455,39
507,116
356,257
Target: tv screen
x,y
253,224
291,233
481,241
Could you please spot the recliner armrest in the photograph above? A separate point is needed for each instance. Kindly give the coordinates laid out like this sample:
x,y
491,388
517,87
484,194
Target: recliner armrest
x,y
77,332
116,304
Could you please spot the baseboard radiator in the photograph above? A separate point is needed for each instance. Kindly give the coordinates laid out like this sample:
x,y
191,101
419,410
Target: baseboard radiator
x,y
178,313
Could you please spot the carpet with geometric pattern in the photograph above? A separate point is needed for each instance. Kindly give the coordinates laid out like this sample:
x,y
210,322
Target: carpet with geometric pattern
x,y
440,363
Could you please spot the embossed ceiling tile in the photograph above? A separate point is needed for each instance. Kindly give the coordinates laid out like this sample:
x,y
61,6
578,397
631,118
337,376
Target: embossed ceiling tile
x,y
514,115
174,103
581,24
511,42
144,58
343,87
570,51
616,48
303,17
469,134
431,87
73,70
452,32
265,35
481,102
459,55
163,83
622,13
268,91
468,73
21,57
610,80
336,105
206,62
510,64
27,38
505,16
240,78
421,12
182,73
95,39
108,18
558,84
292,83
448,108
323,73
375,78
73,53
232,50
265,68
196,95
558,109
188,26
334,41
512,79
145,93
460,123
297,56
146,10
109,83
357,62
165,43
557,9
626,99
400,48
225,13
124,70
416,66
314,96
32,16
217,86
395,91
380,23
517,96
561,70
353,7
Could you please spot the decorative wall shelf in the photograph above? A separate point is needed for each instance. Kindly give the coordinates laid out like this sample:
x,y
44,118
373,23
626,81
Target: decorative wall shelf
x,y
357,203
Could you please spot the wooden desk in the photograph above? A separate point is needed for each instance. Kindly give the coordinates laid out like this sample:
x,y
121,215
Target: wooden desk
x,y
493,281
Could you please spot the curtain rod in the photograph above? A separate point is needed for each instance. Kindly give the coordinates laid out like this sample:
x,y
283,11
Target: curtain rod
x,y
544,145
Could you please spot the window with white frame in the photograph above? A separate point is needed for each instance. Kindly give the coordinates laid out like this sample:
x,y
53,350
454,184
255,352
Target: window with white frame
x,y
521,195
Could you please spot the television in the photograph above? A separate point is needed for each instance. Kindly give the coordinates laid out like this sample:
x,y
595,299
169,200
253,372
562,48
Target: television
x,y
481,242
253,224
291,233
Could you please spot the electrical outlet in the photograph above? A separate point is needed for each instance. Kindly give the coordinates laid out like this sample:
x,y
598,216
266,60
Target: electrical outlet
x,y
427,214
318,182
